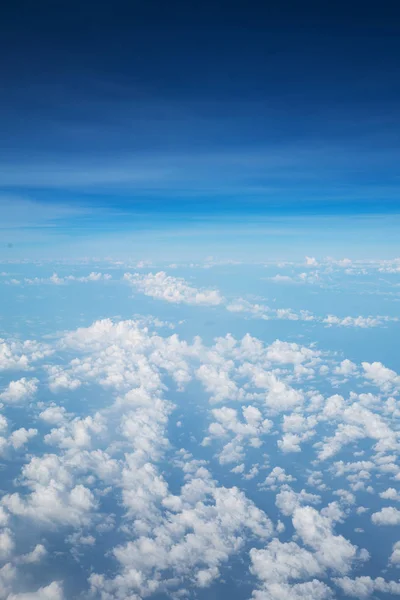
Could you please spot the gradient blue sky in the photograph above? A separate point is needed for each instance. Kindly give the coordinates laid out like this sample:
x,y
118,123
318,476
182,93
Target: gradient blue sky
x,y
163,128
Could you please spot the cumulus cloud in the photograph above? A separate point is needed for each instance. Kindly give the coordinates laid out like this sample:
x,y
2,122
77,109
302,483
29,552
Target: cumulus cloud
x,y
202,528
17,355
381,376
19,390
395,556
363,587
363,322
54,591
280,566
386,516
178,534
172,289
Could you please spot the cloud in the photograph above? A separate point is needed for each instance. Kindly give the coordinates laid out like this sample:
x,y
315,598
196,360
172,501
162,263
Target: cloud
x,y
54,591
363,322
282,279
202,528
346,368
172,289
390,494
277,477
386,516
280,565
19,390
380,375
395,556
35,556
175,533
53,505
17,355
365,586
56,280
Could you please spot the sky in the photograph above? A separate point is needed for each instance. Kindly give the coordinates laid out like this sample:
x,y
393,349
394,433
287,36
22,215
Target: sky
x,y
204,430
199,301
129,124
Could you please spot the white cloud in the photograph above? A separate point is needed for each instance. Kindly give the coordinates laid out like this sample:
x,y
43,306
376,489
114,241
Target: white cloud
x,y
54,415
21,389
278,476
363,322
20,437
56,280
15,354
35,556
279,565
386,516
346,368
181,538
172,289
380,375
395,556
54,591
363,587
288,500
332,551
202,528
390,494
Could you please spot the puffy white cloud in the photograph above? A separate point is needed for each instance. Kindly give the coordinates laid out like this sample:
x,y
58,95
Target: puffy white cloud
x,y
77,433
218,383
20,437
54,499
54,415
35,556
8,575
19,390
288,500
346,368
380,375
290,352
201,529
279,565
15,354
315,590
278,476
53,506
316,530
390,494
388,515
54,591
240,305
278,278
365,586
7,544
250,430
179,539
363,322
172,289
279,395
358,423
395,556
60,379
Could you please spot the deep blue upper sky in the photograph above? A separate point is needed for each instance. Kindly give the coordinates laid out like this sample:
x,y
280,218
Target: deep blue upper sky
x,y
201,109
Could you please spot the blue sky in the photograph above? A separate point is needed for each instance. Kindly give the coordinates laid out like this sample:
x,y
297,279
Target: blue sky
x,y
199,301
129,118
